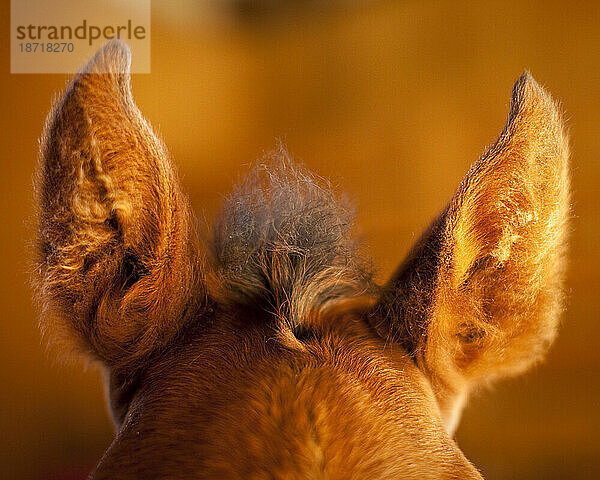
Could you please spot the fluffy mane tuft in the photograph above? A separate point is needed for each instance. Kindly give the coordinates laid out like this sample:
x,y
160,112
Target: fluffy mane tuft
x,y
284,242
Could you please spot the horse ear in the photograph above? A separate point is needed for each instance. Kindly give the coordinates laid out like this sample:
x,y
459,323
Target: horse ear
x,y
479,296
118,264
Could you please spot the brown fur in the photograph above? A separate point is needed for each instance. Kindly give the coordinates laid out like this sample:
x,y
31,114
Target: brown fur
x,y
119,259
277,356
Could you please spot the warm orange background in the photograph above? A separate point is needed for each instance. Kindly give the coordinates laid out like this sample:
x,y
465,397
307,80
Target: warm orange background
x,y
392,101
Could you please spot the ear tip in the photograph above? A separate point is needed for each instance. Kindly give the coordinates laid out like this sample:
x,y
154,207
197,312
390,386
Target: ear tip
x,y
527,89
112,58
529,96
526,86
526,76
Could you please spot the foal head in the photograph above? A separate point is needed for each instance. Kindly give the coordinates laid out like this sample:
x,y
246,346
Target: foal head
x,y
271,352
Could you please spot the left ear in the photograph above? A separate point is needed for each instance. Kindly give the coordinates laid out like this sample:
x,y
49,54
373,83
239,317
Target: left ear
x,y
119,269
479,296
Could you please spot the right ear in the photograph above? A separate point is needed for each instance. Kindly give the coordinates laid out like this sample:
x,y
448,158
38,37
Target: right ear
x,y
479,296
119,264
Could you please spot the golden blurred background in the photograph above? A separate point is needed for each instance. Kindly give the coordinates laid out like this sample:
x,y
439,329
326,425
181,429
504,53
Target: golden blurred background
x,y
390,100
